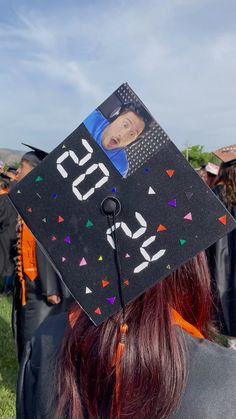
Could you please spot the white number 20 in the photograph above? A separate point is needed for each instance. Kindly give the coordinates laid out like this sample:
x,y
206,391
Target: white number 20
x,y
82,162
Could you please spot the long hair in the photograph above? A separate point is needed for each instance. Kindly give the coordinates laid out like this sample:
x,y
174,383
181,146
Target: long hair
x,y
154,363
227,179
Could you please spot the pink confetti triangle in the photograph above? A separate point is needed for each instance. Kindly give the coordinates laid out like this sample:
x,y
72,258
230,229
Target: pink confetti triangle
x,y
172,203
60,219
63,259
127,255
67,240
83,262
54,238
111,300
188,216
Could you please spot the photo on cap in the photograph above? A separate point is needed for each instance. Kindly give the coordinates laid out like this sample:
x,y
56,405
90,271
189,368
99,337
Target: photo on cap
x,y
114,224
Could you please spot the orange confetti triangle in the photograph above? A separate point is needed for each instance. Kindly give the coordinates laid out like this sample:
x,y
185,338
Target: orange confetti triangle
x,y
105,283
223,219
170,172
161,228
126,282
98,311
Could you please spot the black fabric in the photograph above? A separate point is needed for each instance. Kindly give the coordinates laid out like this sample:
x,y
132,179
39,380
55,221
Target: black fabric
x,y
222,261
26,319
8,218
209,393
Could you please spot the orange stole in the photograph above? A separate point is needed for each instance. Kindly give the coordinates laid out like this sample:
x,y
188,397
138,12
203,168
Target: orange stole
x,y
26,257
178,320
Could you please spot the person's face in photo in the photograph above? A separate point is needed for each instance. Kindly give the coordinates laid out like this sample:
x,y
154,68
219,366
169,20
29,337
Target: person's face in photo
x,y
23,170
122,131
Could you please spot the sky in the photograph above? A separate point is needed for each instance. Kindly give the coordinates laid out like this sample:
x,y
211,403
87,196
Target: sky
x,y
60,59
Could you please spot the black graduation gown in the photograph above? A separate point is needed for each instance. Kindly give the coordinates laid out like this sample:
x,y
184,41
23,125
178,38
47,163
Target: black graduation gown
x,y
26,319
8,218
209,394
222,263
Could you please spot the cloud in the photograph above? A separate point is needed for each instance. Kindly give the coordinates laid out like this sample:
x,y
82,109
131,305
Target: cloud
x,y
59,61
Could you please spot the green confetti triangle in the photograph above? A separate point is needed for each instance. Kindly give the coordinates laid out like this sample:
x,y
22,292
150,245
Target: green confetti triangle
x,y
38,179
182,241
89,224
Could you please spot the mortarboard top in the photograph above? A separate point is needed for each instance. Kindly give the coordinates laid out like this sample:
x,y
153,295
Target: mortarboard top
x,y
227,154
34,156
163,213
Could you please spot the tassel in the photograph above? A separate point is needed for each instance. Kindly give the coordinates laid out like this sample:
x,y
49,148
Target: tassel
x,y
117,358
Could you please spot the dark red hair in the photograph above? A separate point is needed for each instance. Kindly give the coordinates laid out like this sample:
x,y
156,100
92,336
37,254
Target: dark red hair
x,y
154,363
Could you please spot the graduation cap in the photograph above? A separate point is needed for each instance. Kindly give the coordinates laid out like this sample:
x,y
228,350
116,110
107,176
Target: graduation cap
x,y
227,154
111,237
35,156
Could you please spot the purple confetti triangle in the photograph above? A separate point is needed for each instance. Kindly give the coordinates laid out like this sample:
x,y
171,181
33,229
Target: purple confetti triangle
x,y
172,203
67,240
111,300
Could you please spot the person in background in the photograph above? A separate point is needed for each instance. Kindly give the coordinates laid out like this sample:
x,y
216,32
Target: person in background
x,y
8,218
211,174
38,291
221,255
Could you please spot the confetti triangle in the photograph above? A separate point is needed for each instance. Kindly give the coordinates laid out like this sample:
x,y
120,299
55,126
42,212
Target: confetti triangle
x,y
223,219
172,203
168,267
151,191
127,255
63,146
114,190
89,224
98,310
170,172
54,195
67,240
189,194
188,216
18,191
63,259
83,262
44,220
146,169
60,219
29,209
100,258
161,228
105,283
38,179
126,282
88,290
182,241
111,300
54,238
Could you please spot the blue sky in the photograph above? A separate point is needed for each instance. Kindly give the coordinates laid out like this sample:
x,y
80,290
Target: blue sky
x,y
60,59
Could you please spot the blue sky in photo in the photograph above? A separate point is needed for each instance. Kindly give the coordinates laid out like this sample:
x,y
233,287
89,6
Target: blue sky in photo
x,y
61,59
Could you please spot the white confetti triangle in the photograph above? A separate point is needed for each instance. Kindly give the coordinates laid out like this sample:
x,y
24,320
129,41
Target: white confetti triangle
x,y
44,220
88,290
63,146
151,191
18,191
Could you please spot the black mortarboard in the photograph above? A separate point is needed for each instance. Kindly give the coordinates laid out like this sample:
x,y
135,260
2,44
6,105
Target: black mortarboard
x,y
35,156
161,213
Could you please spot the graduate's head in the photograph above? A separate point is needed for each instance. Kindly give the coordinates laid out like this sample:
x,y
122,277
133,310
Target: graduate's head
x,y
125,126
29,161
